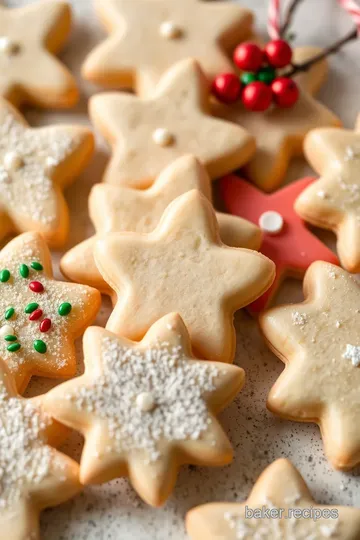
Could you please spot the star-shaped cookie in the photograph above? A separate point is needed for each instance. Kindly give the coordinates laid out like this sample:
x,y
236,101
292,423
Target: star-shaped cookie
x,y
182,266
280,133
286,239
147,135
319,342
333,202
35,165
39,317
29,37
280,506
146,408
148,37
118,208
33,474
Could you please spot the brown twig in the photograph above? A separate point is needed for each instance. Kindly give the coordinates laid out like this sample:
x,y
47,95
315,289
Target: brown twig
x,y
296,68
288,17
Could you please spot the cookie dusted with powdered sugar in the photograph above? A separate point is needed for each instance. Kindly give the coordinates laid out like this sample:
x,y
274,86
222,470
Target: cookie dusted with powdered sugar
x,y
146,408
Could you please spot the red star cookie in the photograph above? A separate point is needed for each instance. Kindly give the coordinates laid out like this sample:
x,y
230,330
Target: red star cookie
x,y
279,487
148,37
39,317
29,36
33,474
286,239
147,408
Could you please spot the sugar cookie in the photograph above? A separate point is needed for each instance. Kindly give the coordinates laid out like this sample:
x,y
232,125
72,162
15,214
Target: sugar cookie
x,y
333,202
286,239
35,165
118,208
182,265
146,408
148,37
33,474
319,342
282,508
29,73
39,317
180,109
280,134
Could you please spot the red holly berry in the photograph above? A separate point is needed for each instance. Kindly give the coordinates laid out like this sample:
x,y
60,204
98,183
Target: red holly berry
x,y
257,96
45,325
35,315
36,286
278,53
248,56
285,92
227,88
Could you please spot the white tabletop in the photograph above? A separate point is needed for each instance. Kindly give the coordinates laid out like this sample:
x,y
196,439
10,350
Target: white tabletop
x,y
114,511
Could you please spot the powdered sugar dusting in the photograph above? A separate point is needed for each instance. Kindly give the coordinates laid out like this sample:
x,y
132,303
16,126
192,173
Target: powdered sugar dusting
x,y
25,459
352,353
300,319
28,186
177,387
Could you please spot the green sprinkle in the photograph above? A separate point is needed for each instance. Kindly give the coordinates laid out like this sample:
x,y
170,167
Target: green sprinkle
x,y
31,307
247,78
37,266
14,347
40,346
4,276
24,270
10,338
266,75
64,309
9,313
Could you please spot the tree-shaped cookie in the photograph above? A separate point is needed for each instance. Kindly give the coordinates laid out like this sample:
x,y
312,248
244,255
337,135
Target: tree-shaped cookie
x,y
29,37
319,342
33,474
36,164
146,135
333,202
280,507
182,266
148,37
146,408
39,316
119,208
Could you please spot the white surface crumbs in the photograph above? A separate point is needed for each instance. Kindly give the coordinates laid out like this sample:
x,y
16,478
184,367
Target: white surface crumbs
x,y
25,179
114,511
177,386
352,353
24,457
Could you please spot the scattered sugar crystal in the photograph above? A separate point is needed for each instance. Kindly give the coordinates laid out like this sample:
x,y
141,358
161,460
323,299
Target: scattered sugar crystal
x,y
352,353
299,318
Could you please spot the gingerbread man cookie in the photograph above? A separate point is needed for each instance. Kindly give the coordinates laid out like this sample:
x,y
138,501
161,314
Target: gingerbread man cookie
x,y
146,408
148,37
182,266
280,134
29,73
118,208
286,239
147,135
333,202
35,165
39,317
33,474
280,507
319,342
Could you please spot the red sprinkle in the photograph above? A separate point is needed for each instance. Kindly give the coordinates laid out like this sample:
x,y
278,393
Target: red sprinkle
x,y
35,315
45,325
36,286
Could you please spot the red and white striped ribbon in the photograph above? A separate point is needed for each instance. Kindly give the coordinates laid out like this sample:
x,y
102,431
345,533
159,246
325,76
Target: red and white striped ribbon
x,y
274,23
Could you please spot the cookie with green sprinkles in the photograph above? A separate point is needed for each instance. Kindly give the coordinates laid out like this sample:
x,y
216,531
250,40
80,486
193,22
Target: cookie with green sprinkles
x,y
37,329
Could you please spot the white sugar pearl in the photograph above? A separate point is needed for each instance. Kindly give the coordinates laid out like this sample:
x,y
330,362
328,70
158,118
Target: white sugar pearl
x,y
13,161
271,222
163,137
8,46
170,30
145,402
6,330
